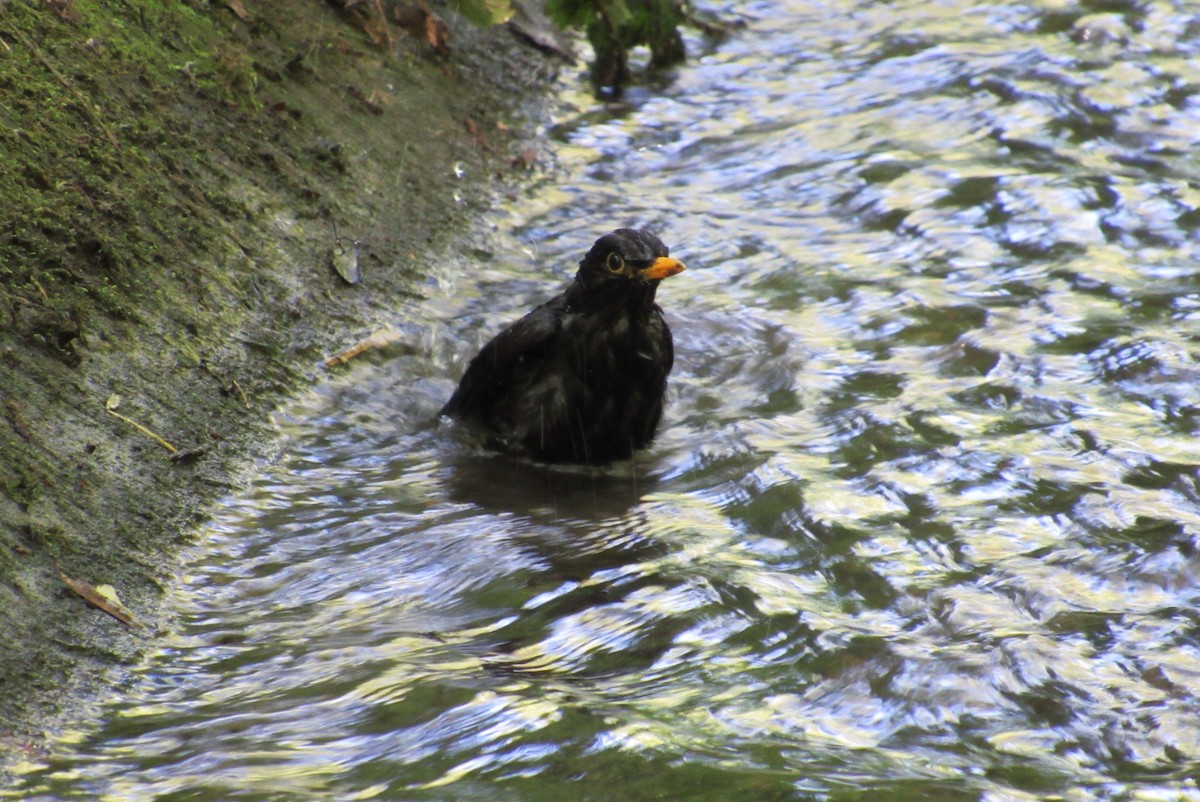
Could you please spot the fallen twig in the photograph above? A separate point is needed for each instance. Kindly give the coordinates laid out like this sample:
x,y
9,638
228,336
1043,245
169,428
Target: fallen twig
x,y
110,407
241,393
378,339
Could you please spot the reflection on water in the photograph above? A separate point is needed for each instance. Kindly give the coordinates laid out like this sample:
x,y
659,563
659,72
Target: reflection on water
x,y
924,518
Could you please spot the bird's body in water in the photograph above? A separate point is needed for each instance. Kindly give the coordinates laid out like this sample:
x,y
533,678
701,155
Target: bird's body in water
x,y
583,377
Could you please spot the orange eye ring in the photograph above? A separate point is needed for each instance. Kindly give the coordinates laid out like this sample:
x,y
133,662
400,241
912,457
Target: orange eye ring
x,y
614,263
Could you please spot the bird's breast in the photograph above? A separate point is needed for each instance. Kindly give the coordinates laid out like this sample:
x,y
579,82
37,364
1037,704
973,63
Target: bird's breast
x,y
615,341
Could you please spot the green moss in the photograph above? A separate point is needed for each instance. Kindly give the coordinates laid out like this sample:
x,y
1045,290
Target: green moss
x,y
86,213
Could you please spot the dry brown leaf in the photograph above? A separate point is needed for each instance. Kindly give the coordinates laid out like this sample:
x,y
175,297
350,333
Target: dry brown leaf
x,y
410,17
377,29
343,258
525,159
438,35
237,8
94,597
420,23
477,135
531,22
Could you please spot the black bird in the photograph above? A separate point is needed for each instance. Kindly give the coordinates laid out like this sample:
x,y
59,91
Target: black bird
x,y
583,377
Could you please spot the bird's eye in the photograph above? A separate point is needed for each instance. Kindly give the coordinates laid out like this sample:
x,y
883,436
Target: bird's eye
x,y
614,263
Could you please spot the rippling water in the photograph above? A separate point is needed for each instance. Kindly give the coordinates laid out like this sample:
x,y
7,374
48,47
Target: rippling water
x,y
923,520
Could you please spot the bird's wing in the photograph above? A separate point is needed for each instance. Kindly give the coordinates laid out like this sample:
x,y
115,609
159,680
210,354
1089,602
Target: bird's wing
x,y
495,366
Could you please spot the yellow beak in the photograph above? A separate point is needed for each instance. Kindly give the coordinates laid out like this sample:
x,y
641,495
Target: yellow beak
x,y
663,266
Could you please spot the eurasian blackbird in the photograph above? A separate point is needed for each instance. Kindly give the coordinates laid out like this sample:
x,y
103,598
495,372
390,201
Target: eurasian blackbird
x,y
583,377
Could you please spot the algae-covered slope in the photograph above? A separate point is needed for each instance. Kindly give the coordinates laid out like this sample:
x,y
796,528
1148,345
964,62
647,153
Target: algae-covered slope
x,y
175,175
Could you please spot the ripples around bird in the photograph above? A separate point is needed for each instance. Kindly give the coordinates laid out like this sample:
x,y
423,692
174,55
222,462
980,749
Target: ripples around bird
x,y
922,521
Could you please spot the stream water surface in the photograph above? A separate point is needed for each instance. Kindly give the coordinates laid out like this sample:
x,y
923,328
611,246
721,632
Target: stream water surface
x,y
923,520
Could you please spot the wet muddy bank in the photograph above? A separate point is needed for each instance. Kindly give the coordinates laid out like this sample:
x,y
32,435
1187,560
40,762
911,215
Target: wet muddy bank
x,y
177,180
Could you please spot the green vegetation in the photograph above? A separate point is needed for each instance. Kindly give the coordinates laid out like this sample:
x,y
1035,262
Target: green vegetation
x,y
614,27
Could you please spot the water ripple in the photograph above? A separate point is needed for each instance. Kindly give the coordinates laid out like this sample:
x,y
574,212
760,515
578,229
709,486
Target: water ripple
x,y
924,518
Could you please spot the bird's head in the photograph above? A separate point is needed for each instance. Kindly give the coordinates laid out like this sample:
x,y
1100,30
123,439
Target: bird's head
x,y
626,262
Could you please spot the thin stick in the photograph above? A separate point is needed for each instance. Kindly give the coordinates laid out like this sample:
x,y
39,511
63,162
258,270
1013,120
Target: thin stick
x,y
143,430
241,392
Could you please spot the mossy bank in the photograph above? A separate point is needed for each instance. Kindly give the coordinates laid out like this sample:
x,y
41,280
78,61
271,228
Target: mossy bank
x,y
175,176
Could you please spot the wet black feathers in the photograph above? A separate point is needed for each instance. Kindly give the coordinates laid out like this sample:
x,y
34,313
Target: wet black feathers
x,y
583,377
